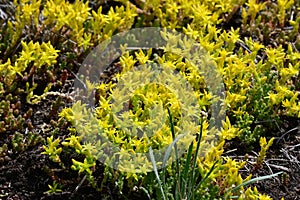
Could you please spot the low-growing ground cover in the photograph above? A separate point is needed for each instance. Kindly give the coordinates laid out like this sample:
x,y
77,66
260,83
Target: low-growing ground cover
x,y
254,46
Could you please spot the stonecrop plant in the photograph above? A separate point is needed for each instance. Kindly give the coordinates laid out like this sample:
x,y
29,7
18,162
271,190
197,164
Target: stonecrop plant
x,y
260,78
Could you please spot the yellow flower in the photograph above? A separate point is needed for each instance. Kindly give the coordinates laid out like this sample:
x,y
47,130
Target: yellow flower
x,y
228,131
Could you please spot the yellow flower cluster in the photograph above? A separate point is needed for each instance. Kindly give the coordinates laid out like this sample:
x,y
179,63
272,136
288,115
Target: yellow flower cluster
x,y
27,13
244,77
257,87
264,145
41,55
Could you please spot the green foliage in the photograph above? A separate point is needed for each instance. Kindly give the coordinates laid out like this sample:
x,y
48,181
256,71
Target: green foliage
x,y
52,149
19,143
54,189
3,153
188,184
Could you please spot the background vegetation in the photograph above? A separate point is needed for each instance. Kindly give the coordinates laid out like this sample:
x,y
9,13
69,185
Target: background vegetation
x,y
255,46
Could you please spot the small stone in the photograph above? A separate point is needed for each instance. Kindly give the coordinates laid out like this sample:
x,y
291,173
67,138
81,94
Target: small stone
x,y
7,158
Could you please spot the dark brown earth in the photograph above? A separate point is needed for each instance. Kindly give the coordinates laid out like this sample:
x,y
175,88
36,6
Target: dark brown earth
x,y
283,156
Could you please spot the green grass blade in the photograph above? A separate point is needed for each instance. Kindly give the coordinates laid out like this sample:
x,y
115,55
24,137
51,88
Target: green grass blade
x,y
184,179
254,180
169,149
168,154
173,132
195,158
156,172
198,144
207,175
176,152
